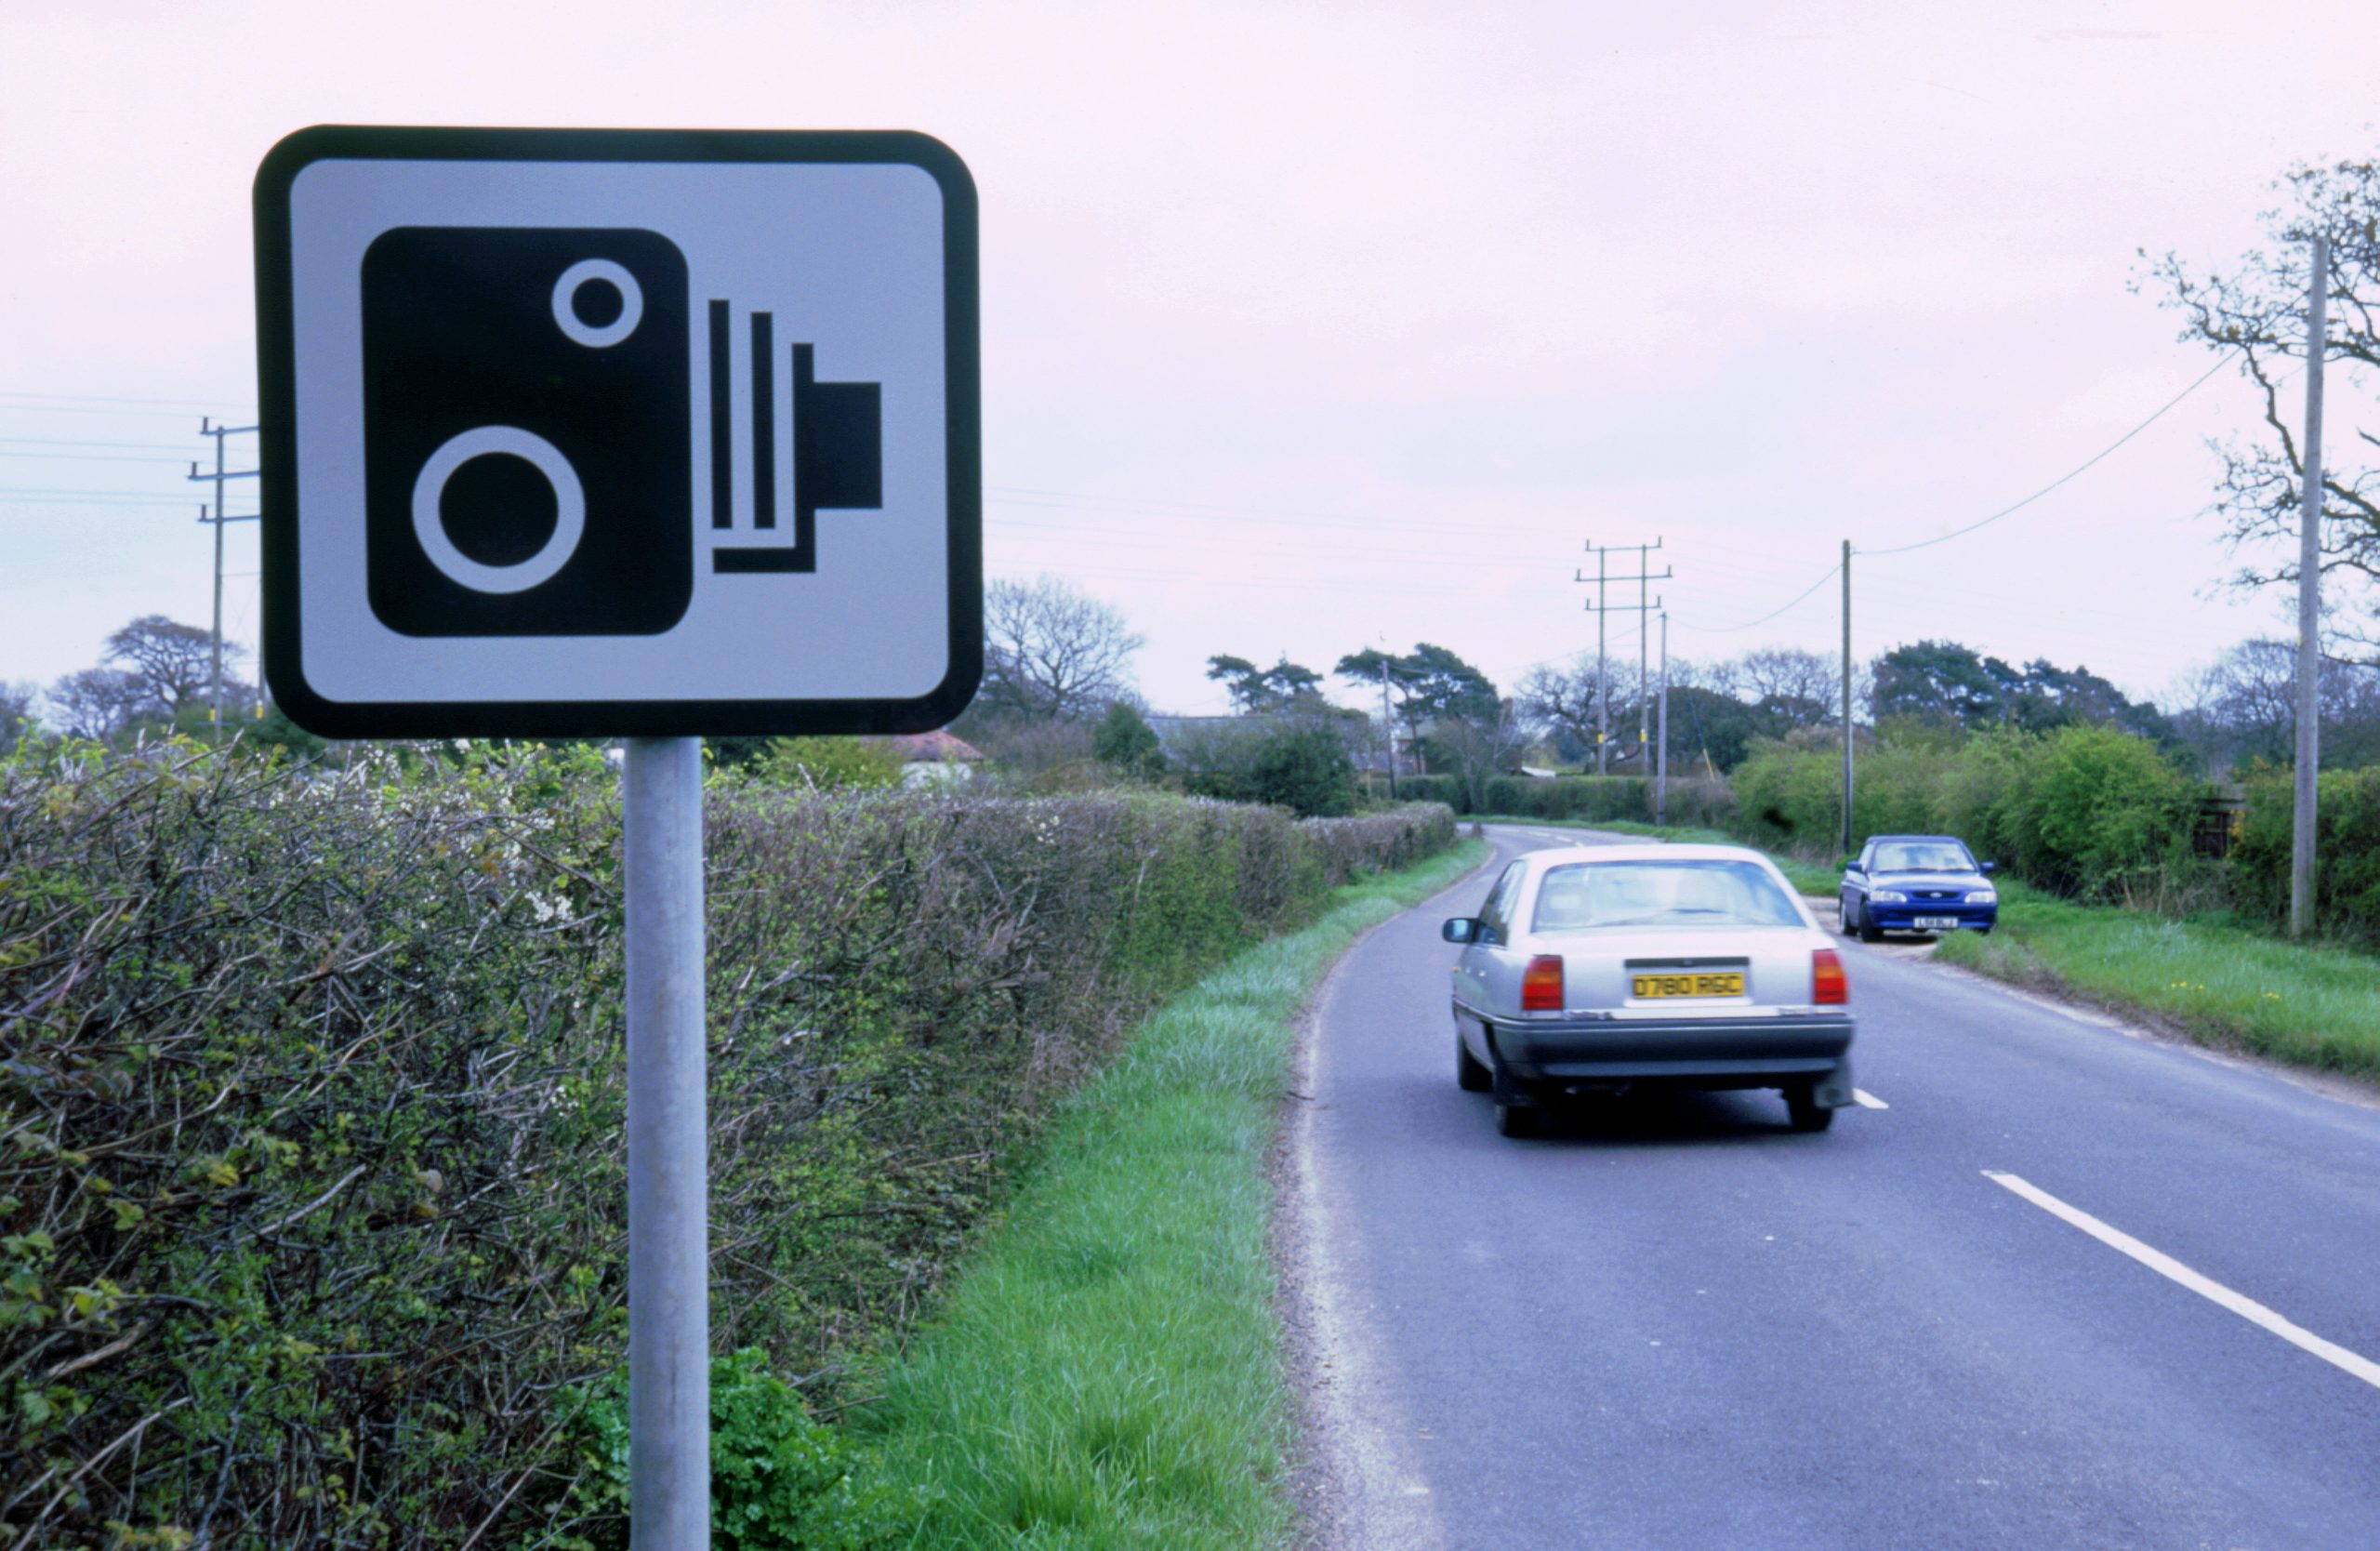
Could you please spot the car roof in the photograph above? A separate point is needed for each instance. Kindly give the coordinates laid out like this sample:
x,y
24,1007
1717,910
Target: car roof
x,y
1646,853
1944,839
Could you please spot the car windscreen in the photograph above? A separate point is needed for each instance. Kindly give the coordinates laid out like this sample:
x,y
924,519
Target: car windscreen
x,y
1935,856
1585,896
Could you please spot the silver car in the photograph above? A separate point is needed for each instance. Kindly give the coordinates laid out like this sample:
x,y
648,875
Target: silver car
x,y
1605,968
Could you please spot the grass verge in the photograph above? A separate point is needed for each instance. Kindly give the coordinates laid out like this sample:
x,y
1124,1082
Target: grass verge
x,y
1814,879
1104,1372
2224,984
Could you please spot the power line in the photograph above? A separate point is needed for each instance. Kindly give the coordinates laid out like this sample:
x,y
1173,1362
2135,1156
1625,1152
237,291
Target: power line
x,y
1725,629
2078,469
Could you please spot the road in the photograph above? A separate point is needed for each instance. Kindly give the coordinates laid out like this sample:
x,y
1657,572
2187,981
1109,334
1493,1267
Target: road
x,y
2068,1288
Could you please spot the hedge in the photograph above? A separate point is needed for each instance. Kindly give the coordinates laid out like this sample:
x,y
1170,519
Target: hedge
x,y
2085,811
311,1196
2347,850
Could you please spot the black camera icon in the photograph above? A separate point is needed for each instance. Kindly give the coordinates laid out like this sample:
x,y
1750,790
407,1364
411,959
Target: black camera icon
x,y
529,436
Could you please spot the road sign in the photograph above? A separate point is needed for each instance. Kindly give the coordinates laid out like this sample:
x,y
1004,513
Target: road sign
x,y
604,433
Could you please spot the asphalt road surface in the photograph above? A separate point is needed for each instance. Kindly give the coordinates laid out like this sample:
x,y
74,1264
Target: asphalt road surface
x,y
2053,1286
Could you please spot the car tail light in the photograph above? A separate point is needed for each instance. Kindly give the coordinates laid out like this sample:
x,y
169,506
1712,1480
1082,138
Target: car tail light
x,y
1542,983
1828,985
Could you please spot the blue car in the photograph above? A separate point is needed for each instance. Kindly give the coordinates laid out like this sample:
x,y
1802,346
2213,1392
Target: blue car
x,y
1917,883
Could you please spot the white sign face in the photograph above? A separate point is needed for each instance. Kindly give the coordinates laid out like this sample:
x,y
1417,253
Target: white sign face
x,y
602,433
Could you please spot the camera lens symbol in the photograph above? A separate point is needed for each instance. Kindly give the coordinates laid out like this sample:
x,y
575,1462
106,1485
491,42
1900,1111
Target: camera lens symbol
x,y
588,272
569,505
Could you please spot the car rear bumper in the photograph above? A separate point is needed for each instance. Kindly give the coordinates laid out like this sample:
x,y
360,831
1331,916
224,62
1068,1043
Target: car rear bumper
x,y
1708,1053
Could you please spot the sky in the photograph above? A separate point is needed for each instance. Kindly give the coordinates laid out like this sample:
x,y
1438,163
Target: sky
x,y
1309,327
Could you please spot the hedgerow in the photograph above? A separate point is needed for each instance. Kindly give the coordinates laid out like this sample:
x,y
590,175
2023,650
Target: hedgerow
x,y
311,1172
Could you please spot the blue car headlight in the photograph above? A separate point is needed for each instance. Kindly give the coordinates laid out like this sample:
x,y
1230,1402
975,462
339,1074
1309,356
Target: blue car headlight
x,y
1983,896
1888,897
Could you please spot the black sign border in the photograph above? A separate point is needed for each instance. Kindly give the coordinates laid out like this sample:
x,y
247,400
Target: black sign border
x,y
277,389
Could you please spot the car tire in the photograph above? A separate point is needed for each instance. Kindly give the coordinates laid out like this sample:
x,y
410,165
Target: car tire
x,y
1804,1111
1516,1120
1469,1074
1869,933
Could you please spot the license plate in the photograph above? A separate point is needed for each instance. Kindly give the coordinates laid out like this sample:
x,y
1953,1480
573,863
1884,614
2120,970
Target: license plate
x,y
1647,988
1936,923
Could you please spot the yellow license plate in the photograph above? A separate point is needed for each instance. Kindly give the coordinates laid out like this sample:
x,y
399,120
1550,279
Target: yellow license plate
x,y
1644,987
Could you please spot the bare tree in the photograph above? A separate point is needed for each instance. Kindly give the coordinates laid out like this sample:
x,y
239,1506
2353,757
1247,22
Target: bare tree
x,y
2256,309
100,702
1561,700
173,661
1779,677
1052,654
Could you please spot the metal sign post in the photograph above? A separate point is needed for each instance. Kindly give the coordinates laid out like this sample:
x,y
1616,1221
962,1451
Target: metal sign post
x,y
668,1268
658,435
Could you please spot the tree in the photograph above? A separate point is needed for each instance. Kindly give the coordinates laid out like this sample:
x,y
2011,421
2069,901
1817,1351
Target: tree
x,y
15,714
1944,682
1052,653
173,663
99,703
1563,702
1126,740
1429,683
2256,308
1799,686
1284,686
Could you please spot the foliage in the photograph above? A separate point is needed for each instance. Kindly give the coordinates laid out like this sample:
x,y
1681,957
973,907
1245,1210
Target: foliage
x,y
2085,810
1283,686
829,763
1588,797
2255,310
1302,765
311,1202
779,1479
1125,740
2347,850
171,663
1945,681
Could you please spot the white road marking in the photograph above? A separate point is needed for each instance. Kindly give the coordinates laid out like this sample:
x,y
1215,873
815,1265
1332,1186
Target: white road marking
x,y
1868,1100
2214,1292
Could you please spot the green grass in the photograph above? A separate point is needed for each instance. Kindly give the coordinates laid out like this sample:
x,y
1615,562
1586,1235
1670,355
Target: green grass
x,y
1814,879
1104,1372
2220,984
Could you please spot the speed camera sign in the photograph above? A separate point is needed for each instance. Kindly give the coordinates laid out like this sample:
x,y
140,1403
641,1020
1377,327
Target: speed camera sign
x,y
575,432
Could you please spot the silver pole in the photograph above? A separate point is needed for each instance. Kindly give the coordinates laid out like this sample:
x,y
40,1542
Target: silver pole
x,y
669,1266
2309,605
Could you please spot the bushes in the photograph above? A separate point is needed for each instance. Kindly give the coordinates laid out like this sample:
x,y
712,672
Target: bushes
x,y
2346,850
2086,811
1582,797
311,1189
1300,765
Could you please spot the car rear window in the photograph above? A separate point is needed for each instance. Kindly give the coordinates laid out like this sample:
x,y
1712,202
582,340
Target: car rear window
x,y
1584,896
1936,857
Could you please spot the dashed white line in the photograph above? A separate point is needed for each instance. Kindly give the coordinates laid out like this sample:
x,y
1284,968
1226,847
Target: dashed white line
x,y
1868,1100
2214,1292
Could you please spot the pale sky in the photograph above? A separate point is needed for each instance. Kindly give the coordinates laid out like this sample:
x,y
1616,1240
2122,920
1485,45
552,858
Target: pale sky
x,y
1309,326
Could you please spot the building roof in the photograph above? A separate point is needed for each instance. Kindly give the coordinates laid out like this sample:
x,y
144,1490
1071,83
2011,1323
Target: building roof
x,y
935,748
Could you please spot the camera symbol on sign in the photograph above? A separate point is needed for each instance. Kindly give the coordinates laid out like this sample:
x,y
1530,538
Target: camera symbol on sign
x,y
529,437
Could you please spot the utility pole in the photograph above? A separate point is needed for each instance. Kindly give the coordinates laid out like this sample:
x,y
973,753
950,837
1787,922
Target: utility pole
x,y
2309,603
1600,608
1388,726
1846,697
1661,757
221,474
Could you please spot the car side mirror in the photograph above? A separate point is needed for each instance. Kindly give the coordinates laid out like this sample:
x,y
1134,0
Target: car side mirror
x,y
1461,929
1987,867
1850,864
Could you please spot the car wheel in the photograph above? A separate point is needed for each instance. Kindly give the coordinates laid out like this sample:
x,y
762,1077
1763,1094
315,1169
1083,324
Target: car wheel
x,y
1469,1075
1803,1109
1869,931
1516,1120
